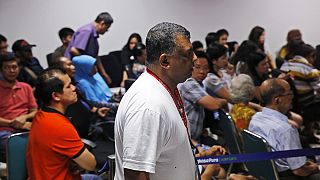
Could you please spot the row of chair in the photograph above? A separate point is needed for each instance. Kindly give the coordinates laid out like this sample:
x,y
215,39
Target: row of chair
x,y
247,142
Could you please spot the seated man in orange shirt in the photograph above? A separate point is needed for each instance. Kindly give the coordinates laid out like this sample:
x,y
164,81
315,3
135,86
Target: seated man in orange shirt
x,y
54,147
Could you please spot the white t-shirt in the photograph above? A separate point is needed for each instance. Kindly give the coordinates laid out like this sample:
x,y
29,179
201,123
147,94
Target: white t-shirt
x,y
150,135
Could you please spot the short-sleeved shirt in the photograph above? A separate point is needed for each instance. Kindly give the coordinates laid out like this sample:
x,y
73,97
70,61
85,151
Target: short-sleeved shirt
x,y
15,101
84,39
150,135
280,135
191,92
213,84
53,143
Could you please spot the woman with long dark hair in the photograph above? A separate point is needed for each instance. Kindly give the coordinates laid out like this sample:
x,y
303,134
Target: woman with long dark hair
x,y
215,83
258,36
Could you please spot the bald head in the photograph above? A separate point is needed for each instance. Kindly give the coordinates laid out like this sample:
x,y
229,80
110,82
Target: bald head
x,y
271,88
276,93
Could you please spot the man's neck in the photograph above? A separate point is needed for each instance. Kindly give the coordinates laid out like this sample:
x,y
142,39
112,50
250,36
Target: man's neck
x,y
164,78
58,107
274,108
8,83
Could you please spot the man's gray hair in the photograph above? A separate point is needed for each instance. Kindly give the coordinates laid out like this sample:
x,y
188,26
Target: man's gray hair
x,y
162,39
242,89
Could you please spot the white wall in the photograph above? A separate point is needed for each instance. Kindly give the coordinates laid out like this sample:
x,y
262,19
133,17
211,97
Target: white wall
x,y
38,21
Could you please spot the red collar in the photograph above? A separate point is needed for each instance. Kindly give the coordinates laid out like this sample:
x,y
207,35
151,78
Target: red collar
x,y
4,85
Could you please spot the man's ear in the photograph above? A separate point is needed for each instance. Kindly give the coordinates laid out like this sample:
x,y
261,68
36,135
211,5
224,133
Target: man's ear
x,y
55,96
277,100
164,61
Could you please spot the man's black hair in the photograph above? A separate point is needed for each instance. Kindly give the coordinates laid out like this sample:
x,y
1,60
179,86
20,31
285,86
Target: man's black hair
x,y
64,32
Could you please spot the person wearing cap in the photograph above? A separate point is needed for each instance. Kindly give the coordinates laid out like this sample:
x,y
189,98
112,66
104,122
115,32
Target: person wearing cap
x,y
30,66
85,41
18,104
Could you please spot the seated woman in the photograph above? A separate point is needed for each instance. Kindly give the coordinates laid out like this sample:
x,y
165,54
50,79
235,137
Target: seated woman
x,y
258,35
137,66
242,92
84,122
90,83
240,58
214,83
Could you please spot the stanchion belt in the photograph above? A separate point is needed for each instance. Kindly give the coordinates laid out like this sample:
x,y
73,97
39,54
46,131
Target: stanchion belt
x,y
236,158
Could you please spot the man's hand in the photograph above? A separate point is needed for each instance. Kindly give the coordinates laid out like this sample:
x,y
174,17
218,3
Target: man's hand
x,y
107,78
215,151
21,119
74,168
27,126
102,112
241,177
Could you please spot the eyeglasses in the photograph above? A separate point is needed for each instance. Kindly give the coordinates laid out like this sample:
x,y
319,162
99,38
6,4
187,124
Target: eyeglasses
x,y
290,93
9,67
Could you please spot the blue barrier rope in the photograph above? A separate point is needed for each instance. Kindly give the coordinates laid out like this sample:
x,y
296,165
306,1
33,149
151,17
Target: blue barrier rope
x,y
237,158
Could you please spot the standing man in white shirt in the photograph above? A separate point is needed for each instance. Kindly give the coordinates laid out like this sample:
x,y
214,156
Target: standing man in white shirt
x,y
151,130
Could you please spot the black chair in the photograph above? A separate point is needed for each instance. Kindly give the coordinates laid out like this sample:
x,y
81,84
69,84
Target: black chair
x,y
114,68
264,170
232,138
230,133
49,59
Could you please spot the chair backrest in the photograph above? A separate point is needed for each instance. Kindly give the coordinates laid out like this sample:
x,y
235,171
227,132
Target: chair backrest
x,y
230,133
16,156
49,59
114,68
254,143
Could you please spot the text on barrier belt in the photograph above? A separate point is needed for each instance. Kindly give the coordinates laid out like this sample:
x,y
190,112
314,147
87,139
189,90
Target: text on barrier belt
x,y
236,158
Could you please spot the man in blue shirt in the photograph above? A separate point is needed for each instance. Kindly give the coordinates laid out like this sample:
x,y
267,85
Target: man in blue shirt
x,y
272,124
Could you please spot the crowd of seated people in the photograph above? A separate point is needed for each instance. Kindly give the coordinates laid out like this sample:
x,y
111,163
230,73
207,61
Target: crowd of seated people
x,y
244,81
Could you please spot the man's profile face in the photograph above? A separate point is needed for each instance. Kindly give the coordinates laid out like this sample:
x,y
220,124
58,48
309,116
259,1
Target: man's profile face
x,y
69,95
66,40
286,97
10,71
183,58
68,66
223,39
25,54
200,69
103,27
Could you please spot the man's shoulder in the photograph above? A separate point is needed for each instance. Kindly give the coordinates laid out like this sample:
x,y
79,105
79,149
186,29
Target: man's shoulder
x,y
59,50
55,121
85,28
146,92
23,85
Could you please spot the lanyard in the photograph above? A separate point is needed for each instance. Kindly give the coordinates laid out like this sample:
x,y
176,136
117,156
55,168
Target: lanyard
x,y
176,98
